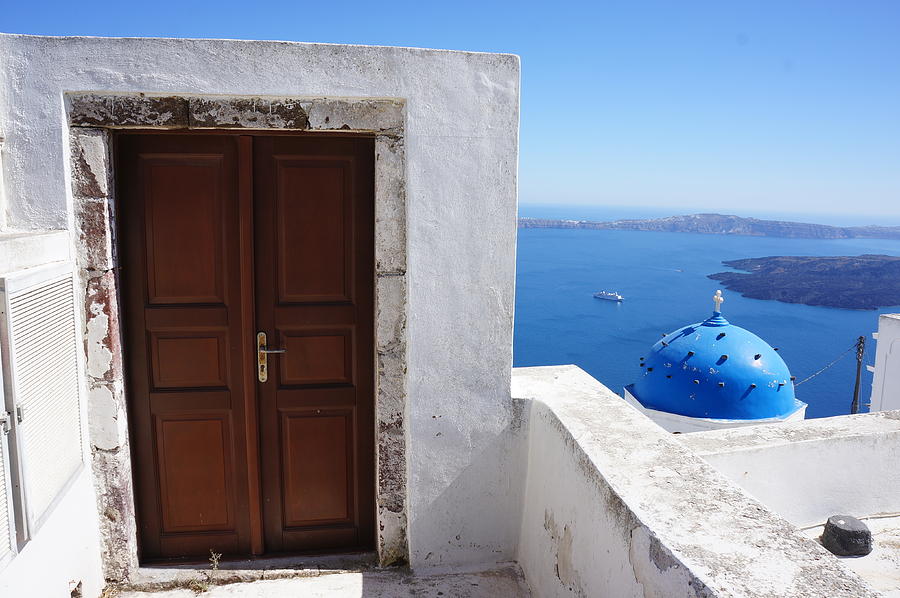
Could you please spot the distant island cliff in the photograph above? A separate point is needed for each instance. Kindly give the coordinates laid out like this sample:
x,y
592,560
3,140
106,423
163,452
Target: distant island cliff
x,y
721,224
860,282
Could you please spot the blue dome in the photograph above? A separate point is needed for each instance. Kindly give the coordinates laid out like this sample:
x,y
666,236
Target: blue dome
x,y
716,370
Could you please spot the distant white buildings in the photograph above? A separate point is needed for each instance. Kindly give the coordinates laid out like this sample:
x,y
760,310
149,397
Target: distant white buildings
x,y
886,384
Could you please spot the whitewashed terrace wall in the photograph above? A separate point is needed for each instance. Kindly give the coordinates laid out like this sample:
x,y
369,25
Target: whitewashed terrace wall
x,y
461,147
808,471
616,507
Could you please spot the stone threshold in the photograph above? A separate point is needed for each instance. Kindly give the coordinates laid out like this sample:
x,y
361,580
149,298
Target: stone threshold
x,y
155,578
501,581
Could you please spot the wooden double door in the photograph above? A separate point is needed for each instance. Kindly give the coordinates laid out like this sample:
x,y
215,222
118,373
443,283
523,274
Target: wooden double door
x,y
247,271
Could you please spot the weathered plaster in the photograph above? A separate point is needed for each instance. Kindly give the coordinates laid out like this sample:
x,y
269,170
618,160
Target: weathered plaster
x,y
459,154
809,470
810,430
646,517
92,179
3,225
28,250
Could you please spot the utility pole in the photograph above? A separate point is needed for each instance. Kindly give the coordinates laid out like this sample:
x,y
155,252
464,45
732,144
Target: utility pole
x,y
860,349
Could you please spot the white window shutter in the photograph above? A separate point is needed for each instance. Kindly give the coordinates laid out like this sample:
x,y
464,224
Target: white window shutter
x,y
7,530
41,381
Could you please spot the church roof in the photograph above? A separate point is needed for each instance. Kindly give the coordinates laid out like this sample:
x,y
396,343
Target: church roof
x,y
714,369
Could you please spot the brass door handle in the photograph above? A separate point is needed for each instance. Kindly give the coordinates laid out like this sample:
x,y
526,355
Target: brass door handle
x,y
262,352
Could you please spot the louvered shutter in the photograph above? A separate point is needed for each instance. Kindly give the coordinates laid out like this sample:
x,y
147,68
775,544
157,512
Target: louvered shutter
x,y
7,535
42,379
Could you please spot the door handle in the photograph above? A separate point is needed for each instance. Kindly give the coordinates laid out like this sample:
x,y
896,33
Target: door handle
x,y
262,353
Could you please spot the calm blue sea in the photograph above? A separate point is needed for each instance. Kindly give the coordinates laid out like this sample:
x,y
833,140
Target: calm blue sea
x,y
663,279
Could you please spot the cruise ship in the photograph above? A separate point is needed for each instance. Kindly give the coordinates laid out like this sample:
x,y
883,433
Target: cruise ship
x,y
609,296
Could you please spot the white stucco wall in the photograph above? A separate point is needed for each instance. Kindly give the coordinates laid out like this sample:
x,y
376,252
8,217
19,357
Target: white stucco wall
x,y
808,471
615,506
886,382
461,148
64,552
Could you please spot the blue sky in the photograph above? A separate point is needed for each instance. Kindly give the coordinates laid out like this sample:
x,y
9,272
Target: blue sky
x,y
742,107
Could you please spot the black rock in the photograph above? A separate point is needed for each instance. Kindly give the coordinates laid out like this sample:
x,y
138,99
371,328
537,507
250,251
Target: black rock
x,y
853,282
847,536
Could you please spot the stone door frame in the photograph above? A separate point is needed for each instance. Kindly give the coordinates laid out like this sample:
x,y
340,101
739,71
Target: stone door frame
x,y
92,118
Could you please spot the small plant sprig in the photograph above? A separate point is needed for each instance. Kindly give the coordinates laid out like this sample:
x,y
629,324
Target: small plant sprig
x,y
198,586
213,564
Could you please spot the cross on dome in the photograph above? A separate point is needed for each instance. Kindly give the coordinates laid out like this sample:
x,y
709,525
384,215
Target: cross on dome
x,y
718,299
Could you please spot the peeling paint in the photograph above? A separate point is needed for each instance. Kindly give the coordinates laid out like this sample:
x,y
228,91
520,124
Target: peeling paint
x,y
246,113
562,548
140,110
127,110
90,163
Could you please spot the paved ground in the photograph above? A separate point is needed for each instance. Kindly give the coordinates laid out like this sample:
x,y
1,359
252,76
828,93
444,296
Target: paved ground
x,y
881,567
496,583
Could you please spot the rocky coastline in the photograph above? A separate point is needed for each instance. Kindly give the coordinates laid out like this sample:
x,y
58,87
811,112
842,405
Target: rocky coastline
x,y
722,224
850,282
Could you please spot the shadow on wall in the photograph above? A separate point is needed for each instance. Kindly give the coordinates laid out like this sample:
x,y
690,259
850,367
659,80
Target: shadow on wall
x,y
474,521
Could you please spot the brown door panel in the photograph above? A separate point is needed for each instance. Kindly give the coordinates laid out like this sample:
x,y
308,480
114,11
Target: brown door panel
x,y
192,401
182,289
223,236
314,218
317,445
313,226
316,356
184,199
194,461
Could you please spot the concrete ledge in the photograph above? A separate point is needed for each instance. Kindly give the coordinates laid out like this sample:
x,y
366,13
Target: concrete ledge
x,y
19,251
808,430
615,506
812,469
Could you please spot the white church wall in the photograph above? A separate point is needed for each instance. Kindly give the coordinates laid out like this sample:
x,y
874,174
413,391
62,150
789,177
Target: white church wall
x,y
461,154
810,470
886,382
682,424
616,506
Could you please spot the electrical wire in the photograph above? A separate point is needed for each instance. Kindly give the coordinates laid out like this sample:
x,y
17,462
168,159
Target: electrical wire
x,y
836,359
